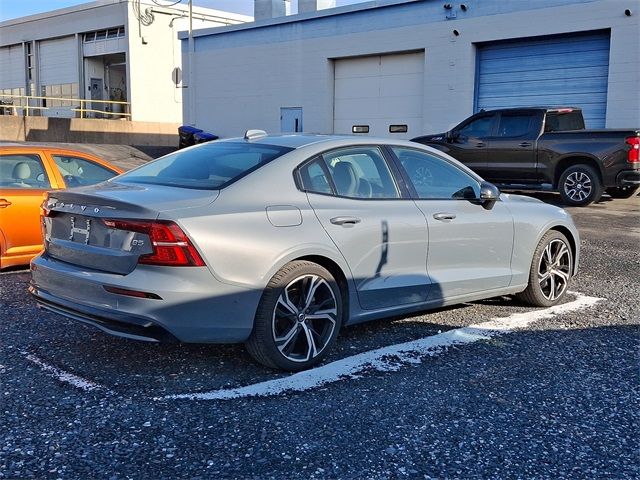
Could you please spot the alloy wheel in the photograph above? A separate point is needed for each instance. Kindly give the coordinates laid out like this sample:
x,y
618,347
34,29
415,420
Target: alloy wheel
x,y
304,318
554,269
578,186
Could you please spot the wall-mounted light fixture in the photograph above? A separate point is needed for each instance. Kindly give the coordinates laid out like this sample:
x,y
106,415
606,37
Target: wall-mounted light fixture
x,y
628,12
463,7
456,33
447,6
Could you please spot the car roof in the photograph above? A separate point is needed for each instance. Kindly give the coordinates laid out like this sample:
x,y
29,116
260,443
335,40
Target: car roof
x,y
38,146
529,109
298,140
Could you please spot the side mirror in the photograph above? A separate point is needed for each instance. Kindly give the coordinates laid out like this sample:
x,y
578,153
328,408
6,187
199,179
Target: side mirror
x,y
489,194
451,136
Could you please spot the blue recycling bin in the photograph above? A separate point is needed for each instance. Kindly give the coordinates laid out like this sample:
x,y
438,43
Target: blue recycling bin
x,y
202,137
186,135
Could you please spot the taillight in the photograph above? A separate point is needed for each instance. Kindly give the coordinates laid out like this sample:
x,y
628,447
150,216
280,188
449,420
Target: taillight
x,y
633,155
171,247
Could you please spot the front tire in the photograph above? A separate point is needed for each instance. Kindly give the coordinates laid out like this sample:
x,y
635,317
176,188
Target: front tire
x,y
550,272
298,318
622,192
580,185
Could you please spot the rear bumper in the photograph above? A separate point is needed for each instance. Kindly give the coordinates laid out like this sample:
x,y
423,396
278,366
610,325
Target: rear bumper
x,y
193,307
628,178
127,326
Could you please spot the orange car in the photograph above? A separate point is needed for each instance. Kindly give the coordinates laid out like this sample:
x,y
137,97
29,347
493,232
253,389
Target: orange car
x,y
26,173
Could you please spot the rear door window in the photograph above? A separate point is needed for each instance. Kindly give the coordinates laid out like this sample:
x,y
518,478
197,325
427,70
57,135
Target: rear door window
x,y
355,172
360,172
23,171
514,125
208,166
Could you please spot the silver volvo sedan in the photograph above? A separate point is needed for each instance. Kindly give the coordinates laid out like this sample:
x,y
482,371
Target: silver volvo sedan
x,y
279,241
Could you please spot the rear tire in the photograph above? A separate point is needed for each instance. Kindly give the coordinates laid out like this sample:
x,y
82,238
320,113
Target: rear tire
x,y
622,192
550,272
298,318
580,185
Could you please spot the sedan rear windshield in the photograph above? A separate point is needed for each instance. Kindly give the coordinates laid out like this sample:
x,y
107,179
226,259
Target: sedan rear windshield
x,y
209,166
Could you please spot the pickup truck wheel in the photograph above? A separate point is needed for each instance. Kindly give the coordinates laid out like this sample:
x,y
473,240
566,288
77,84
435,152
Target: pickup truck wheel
x,y
550,272
622,192
580,185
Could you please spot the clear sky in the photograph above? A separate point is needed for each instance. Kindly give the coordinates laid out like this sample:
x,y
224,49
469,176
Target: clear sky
x,y
19,8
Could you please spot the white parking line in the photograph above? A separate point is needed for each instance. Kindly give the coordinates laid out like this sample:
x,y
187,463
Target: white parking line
x,y
66,377
391,358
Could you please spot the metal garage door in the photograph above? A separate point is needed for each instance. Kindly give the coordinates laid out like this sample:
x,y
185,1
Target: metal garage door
x,y
567,70
58,61
12,73
379,92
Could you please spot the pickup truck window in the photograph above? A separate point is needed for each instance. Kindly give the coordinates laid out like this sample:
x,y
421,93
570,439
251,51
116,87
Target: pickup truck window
x,y
480,127
558,122
514,125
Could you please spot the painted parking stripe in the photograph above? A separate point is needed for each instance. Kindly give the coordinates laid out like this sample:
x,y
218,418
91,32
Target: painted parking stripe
x,y
65,377
393,357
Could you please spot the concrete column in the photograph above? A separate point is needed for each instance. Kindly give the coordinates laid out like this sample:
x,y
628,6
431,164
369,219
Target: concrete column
x,y
266,9
307,6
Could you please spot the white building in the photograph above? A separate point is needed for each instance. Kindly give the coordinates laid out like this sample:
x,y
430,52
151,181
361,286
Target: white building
x,y
121,50
417,66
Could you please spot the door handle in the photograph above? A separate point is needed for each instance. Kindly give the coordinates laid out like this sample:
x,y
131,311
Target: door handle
x,y
444,216
525,144
4,203
480,145
345,220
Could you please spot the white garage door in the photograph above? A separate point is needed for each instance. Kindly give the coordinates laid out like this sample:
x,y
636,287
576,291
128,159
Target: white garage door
x,y
58,61
382,93
11,67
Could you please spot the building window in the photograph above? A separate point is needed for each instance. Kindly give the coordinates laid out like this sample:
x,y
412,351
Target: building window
x,y
108,34
30,62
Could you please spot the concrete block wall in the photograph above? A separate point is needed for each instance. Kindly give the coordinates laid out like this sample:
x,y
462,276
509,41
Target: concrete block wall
x,y
243,77
77,130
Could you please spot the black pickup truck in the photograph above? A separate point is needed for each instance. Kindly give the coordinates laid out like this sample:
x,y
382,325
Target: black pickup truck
x,y
545,149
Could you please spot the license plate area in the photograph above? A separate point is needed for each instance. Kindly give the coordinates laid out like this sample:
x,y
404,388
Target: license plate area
x,y
79,229
92,231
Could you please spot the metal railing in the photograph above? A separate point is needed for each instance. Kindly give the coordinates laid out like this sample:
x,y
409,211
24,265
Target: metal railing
x,y
27,105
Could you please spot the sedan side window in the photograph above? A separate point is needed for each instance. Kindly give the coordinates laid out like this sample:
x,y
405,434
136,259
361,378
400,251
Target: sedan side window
x,y
433,177
23,171
314,178
78,171
361,172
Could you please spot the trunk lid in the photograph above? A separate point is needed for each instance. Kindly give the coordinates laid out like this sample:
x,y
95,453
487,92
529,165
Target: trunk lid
x,y
77,227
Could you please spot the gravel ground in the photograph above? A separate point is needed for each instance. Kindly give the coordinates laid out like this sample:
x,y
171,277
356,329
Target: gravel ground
x,y
559,399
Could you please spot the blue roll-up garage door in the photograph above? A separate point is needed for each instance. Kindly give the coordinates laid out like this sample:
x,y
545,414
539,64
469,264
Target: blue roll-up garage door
x,y
570,70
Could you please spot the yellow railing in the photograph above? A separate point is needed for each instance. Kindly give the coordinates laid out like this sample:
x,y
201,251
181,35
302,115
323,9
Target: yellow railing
x,y
24,104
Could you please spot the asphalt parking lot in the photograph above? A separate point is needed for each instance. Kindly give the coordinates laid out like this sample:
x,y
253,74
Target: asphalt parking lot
x,y
486,389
